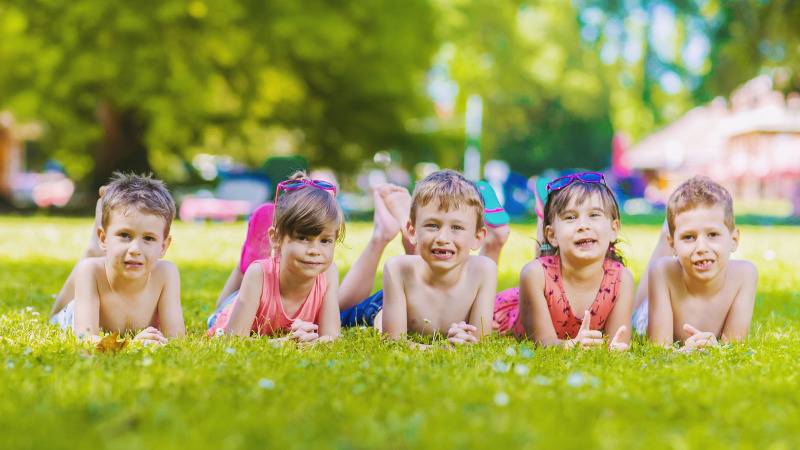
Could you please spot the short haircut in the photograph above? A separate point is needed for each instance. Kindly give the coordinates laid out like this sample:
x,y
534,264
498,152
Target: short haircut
x,y
450,190
699,192
307,211
558,200
140,192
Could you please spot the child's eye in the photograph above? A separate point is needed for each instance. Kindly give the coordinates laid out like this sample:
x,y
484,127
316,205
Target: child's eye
x,y
327,241
569,217
713,234
301,238
125,235
688,237
149,238
457,227
431,225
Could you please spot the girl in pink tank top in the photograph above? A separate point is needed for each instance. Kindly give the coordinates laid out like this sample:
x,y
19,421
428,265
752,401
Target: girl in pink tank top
x,y
295,291
578,289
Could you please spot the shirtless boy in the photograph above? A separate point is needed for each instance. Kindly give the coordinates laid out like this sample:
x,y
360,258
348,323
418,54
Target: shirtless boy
x,y
701,295
442,287
122,285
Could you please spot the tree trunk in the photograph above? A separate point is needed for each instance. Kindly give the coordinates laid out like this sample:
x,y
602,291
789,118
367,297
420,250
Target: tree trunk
x,y
122,147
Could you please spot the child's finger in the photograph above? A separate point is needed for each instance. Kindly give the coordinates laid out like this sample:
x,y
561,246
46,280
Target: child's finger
x,y
619,335
468,327
586,321
593,334
690,329
308,337
589,342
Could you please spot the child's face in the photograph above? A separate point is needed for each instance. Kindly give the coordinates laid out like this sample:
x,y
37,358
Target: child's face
x,y
133,242
444,239
583,231
702,242
305,256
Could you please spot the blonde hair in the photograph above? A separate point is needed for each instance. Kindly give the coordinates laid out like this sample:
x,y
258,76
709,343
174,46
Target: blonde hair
x,y
699,191
141,192
558,200
450,190
307,211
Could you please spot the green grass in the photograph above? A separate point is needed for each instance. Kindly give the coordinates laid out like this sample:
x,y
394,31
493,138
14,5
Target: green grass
x,y
363,393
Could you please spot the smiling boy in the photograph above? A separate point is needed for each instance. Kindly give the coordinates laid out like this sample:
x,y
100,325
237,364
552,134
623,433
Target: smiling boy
x,y
443,287
129,289
699,295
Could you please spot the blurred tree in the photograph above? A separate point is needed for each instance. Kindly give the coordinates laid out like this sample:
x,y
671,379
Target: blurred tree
x,y
546,102
153,82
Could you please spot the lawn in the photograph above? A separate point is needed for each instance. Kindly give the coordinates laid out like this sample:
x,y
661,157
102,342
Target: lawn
x,y
363,393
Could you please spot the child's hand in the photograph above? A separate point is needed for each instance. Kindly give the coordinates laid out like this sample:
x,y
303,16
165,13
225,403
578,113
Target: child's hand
x,y
617,343
587,338
698,339
150,335
459,333
303,332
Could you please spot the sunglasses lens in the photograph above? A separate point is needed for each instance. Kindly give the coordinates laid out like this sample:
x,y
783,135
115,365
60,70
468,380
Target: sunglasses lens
x,y
324,185
559,183
292,184
591,177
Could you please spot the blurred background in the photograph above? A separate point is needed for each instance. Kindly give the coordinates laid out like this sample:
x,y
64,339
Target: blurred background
x,y
224,98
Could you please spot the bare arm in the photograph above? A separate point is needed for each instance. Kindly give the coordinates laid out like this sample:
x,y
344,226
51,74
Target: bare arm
x,y
533,310
329,320
233,284
738,321
623,310
244,312
170,313
481,314
660,320
395,313
87,301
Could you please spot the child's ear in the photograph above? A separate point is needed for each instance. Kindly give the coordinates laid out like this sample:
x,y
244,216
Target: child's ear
x,y
671,243
274,238
735,237
479,237
412,233
550,236
101,237
614,230
165,246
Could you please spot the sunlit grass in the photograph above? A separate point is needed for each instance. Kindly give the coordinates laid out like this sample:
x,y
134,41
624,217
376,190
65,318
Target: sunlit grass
x,y
364,393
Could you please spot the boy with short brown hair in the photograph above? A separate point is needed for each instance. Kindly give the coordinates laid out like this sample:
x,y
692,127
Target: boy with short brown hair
x,y
442,287
700,296
129,288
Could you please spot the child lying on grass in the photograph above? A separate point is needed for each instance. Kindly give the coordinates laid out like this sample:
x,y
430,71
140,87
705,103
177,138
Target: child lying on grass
x,y
119,284
443,287
700,296
294,291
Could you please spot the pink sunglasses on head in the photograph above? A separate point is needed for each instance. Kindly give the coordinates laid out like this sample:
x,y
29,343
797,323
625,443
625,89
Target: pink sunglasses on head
x,y
586,177
290,185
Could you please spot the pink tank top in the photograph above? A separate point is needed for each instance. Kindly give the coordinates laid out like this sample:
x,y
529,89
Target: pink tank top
x,y
564,320
270,316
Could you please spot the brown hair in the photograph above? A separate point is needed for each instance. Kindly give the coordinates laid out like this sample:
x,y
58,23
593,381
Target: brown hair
x,y
307,211
141,192
450,190
699,191
558,200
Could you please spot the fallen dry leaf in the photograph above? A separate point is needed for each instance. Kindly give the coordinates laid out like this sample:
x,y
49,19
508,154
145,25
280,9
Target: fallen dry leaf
x,y
111,344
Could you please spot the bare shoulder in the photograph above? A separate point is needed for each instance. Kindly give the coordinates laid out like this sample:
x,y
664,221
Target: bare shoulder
x,y
91,265
166,272
402,263
533,271
627,276
479,263
743,270
667,267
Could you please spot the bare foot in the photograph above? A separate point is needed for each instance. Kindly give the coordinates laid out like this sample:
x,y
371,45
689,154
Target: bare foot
x,y
496,238
386,226
398,201
377,323
93,246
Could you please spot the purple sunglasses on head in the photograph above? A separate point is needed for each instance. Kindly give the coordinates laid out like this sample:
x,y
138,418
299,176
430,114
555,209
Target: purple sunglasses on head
x,y
290,185
586,177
